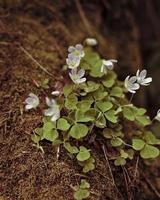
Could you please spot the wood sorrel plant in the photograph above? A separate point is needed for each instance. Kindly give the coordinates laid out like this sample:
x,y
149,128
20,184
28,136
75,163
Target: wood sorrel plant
x,y
94,105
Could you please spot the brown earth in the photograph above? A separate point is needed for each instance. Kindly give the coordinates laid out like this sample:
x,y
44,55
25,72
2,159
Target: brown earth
x,y
45,29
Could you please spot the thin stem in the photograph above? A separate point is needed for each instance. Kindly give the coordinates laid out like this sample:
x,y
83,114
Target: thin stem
x,y
131,98
30,56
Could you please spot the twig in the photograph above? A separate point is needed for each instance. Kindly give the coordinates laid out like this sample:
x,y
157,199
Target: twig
x,y
126,182
31,57
58,152
151,186
110,170
83,17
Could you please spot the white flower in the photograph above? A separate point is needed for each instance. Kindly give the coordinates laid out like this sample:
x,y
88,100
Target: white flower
x,y
77,50
56,93
32,101
53,111
130,84
73,61
91,41
141,78
107,65
77,76
157,117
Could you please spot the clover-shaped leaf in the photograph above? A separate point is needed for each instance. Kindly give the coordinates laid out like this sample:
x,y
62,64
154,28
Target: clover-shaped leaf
x,y
51,135
110,115
128,113
84,116
120,161
71,102
143,120
149,151
109,79
67,89
116,92
96,69
91,86
104,105
78,131
82,191
151,138
63,124
84,154
115,142
84,105
71,149
88,165
138,144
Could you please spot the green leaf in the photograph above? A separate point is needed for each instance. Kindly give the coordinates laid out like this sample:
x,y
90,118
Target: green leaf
x,y
83,154
128,113
108,133
88,165
84,116
84,184
39,131
81,194
71,149
116,142
67,89
104,105
109,79
84,105
120,161
143,120
123,154
100,121
149,151
96,69
116,92
48,126
63,124
35,138
151,138
91,86
51,135
100,93
71,102
138,144
78,131
110,115
91,57
138,111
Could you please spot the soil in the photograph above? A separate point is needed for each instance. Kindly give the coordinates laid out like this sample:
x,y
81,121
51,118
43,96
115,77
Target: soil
x,y
40,31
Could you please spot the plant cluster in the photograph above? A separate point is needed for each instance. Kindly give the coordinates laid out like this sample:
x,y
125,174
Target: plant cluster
x,y
94,105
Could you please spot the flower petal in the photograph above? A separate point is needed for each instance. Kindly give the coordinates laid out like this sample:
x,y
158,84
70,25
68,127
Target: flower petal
x,y
48,112
56,93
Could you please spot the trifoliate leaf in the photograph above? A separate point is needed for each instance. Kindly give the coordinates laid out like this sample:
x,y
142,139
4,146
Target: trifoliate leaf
x,y
63,124
144,120
83,154
120,161
149,151
39,131
110,115
138,111
71,102
123,154
138,144
128,113
100,94
84,184
116,92
88,165
78,131
116,142
104,105
130,153
50,135
71,149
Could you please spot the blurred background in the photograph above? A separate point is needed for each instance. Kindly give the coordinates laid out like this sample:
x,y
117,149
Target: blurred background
x,y
127,30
